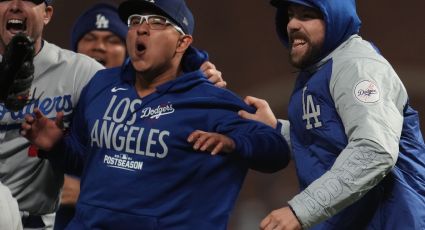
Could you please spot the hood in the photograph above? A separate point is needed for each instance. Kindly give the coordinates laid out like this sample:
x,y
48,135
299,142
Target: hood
x,y
193,58
340,17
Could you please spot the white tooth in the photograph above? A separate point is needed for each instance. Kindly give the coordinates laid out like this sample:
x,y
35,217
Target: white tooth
x,y
15,21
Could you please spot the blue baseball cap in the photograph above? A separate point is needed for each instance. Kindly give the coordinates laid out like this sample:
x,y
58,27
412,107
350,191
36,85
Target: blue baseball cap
x,y
101,16
175,10
48,2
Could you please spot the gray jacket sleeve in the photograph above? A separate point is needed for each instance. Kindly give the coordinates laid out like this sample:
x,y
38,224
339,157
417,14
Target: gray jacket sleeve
x,y
284,130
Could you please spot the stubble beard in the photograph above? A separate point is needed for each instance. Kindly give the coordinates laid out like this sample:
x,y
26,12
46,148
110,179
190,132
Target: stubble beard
x,y
307,59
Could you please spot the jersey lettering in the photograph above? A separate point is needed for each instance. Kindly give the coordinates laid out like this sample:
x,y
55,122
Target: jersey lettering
x,y
117,131
310,110
47,105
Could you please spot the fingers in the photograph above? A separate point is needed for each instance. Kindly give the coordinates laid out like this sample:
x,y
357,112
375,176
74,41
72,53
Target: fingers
x,y
252,101
249,100
29,121
26,125
208,143
24,129
215,76
194,136
256,102
282,218
200,139
221,84
217,149
246,115
38,114
265,222
29,118
205,141
59,120
263,114
269,224
207,65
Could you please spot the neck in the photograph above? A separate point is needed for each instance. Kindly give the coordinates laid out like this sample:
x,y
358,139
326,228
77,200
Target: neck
x,y
37,46
146,82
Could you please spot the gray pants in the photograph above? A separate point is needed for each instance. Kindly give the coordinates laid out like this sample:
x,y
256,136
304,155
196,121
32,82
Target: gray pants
x,y
9,211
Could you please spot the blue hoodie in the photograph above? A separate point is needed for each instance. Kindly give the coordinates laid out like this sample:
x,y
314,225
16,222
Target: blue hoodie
x,y
356,142
139,170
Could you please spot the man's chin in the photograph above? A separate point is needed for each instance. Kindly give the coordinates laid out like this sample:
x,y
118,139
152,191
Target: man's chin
x,y
301,64
297,57
7,36
297,62
302,61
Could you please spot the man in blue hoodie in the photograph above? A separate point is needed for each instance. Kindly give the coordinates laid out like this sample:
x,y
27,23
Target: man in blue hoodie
x,y
135,133
100,34
356,142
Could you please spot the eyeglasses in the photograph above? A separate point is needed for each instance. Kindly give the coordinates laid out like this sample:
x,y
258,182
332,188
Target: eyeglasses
x,y
155,22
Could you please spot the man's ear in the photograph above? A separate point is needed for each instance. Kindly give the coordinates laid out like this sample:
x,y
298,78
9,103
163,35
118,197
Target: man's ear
x,y
184,42
48,12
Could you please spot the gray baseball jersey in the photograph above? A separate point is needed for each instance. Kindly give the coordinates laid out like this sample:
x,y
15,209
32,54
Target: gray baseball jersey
x,y
59,78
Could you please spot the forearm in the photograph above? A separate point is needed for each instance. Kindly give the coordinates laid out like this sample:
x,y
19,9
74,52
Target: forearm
x,y
354,173
265,151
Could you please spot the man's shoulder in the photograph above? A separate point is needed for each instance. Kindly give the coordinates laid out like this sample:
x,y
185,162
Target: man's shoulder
x,y
356,49
108,74
206,88
220,95
357,60
59,55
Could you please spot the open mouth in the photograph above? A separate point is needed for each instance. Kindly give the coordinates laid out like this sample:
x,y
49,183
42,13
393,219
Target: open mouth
x,y
297,40
140,47
16,25
298,43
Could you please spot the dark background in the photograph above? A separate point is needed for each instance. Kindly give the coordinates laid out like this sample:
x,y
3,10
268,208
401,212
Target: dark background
x,y
241,40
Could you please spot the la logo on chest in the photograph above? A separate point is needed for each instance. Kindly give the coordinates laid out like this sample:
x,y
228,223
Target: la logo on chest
x,y
311,112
